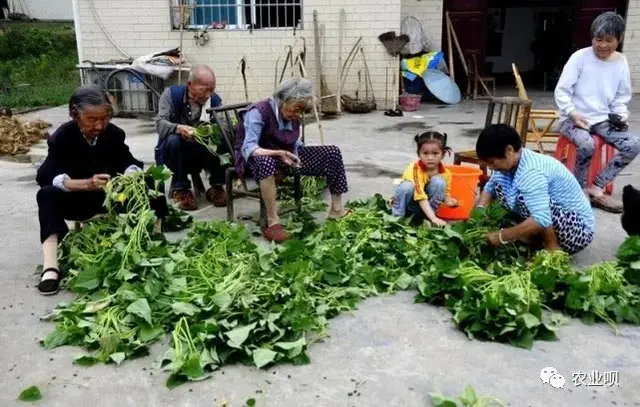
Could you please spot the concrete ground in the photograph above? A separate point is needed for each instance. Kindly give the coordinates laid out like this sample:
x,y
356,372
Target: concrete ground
x,y
390,352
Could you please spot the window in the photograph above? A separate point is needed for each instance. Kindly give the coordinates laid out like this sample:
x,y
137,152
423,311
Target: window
x,y
240,14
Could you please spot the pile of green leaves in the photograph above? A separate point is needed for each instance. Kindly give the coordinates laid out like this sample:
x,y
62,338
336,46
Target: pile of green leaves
x,y
312,193
222,299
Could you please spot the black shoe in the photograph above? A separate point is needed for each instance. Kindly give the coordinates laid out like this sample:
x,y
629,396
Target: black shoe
x,y
50,286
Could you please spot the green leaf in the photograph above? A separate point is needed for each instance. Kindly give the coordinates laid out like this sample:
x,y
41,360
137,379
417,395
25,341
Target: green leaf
x,y
85,361
262,357
292,345
118,357
438,400
141,308
159,173
95,306
225,159
175,380
56,338
88,280
147,333
250,402
530,320
30,394
192,368
239,335
222,300
404,281
183,308
468,397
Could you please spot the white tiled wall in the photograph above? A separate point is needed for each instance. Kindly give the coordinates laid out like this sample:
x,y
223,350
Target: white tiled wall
x,y
429,13
632,42
141,27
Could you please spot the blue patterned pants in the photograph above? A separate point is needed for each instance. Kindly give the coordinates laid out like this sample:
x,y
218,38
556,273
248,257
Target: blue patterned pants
x,y
571,231
627,144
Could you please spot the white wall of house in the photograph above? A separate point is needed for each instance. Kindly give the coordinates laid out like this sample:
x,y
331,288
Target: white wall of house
x,y
46,9
632,42
141,27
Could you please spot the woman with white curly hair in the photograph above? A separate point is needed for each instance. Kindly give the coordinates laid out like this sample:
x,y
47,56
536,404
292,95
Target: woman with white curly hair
x,y
268,139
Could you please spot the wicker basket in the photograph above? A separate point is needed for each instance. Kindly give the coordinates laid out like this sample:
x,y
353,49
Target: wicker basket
x,y
353,105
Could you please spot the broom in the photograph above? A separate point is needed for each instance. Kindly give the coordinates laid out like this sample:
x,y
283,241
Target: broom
x,y
393,44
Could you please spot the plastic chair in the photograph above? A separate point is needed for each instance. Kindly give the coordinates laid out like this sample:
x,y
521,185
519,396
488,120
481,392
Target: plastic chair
x,y
567,152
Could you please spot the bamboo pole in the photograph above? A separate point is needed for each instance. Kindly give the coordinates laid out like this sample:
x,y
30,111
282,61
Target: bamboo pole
x,y
457,44
450,51
315,108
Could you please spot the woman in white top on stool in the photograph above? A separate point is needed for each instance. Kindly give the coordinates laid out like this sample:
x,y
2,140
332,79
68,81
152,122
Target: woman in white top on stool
x,y
592,95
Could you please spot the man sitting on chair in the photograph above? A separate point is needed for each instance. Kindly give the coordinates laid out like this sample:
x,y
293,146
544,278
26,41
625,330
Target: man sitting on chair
x,y
180,110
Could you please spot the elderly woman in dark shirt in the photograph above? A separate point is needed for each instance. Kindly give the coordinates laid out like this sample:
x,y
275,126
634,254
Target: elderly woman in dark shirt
x,y
84,154
268,140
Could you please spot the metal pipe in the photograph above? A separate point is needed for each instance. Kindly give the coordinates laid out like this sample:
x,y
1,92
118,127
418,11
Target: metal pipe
x,y
78,29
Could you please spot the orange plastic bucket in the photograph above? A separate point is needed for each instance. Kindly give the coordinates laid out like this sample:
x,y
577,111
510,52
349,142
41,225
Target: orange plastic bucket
x,y
464,183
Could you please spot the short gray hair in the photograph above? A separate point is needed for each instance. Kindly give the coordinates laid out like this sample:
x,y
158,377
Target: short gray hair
x,y
88,95
294,88
608,23
197,73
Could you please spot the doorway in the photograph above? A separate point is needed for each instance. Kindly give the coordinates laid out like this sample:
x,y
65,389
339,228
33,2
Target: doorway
x,y
535,35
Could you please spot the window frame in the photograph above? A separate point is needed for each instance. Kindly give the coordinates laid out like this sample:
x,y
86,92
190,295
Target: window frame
x,y
240,8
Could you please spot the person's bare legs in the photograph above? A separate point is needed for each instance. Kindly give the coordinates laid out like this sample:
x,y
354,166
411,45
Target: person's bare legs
x,y
337,210
50,254
269,195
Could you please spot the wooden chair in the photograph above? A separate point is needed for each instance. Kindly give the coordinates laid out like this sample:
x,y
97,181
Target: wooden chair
x,y
475,78
506,110
541,121
223,116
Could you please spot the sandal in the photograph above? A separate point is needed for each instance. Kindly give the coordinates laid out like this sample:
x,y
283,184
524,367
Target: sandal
x,y
275,233
606,203
345,212
50,286
394,113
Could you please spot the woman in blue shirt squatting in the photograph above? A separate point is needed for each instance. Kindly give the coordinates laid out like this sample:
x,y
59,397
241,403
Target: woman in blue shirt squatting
x,y
268,140
538,189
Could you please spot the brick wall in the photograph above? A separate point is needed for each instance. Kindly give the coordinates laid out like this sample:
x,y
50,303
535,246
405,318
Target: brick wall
x,y
632,42
142,27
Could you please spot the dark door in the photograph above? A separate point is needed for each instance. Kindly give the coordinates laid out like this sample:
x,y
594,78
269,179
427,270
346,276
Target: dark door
x,y
469,20
586,11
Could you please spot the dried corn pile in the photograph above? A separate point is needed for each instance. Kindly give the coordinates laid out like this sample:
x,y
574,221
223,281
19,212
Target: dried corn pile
x,y
16,136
